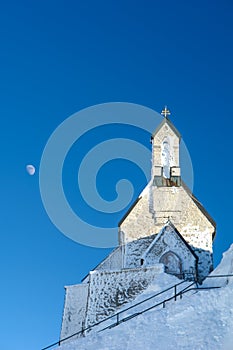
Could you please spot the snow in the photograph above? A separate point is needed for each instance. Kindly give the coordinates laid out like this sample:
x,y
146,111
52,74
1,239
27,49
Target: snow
x,y
200,320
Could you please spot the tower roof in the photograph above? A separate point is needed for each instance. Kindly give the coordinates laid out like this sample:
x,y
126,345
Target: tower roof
x,y
167,121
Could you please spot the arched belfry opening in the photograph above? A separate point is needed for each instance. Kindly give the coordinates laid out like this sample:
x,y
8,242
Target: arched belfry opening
x,y
166,157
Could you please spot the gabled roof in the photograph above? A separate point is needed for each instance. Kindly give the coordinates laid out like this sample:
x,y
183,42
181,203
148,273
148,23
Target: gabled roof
x,y
143,242
134,203
170,224
199,205
169,123
107,257
129,210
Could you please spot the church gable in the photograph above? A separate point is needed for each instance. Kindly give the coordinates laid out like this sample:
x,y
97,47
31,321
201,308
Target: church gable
x,y
170,248
138,221
181,207
152,210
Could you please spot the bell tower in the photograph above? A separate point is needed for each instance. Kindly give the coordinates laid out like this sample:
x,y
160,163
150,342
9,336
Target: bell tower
x,y
165,154
167,198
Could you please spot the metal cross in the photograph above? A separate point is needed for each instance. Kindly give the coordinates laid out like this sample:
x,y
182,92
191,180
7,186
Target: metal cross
x,y
165,112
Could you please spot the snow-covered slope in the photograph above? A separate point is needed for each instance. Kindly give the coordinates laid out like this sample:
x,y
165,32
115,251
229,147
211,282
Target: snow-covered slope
x,y
202,320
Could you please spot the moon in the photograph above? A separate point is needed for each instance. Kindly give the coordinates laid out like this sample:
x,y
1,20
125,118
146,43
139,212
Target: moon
x,y
30,169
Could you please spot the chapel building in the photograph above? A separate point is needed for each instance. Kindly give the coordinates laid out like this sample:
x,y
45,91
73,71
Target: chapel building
x,y
166,230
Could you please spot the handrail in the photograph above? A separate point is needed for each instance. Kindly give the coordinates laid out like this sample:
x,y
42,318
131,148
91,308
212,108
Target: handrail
x,y
149,298
180,293
145,310
185,290
108,318
215,276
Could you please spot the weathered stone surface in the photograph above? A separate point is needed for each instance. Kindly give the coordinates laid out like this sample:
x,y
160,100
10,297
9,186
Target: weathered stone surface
x,y
74,309
172,203
114,261
139,223
134,250
108,291
167,245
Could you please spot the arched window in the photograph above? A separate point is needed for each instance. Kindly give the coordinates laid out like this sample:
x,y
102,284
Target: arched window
x,y
165,157
172,263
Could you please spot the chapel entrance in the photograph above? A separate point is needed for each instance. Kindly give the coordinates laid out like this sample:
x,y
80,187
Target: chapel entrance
x,y
172,263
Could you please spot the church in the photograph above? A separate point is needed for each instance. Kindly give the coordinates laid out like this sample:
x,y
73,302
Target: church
x,y
165,230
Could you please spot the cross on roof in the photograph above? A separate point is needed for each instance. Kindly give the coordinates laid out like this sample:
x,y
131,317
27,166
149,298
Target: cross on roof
x,y
165,112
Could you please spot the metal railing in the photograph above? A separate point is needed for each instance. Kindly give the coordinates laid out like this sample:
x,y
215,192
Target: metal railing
x,y
115,315
162,303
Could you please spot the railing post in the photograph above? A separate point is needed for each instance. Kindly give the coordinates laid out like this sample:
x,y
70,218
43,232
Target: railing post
x,y
117,318
175,291
163,304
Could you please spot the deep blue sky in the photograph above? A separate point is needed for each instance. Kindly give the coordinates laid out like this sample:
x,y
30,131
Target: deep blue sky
x,y
57,57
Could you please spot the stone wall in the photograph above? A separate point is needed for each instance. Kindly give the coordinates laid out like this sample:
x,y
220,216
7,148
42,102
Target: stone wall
x,y
176,204
172,203
133,251
138,223
113,261
74,309
169,241
205,262
111,290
